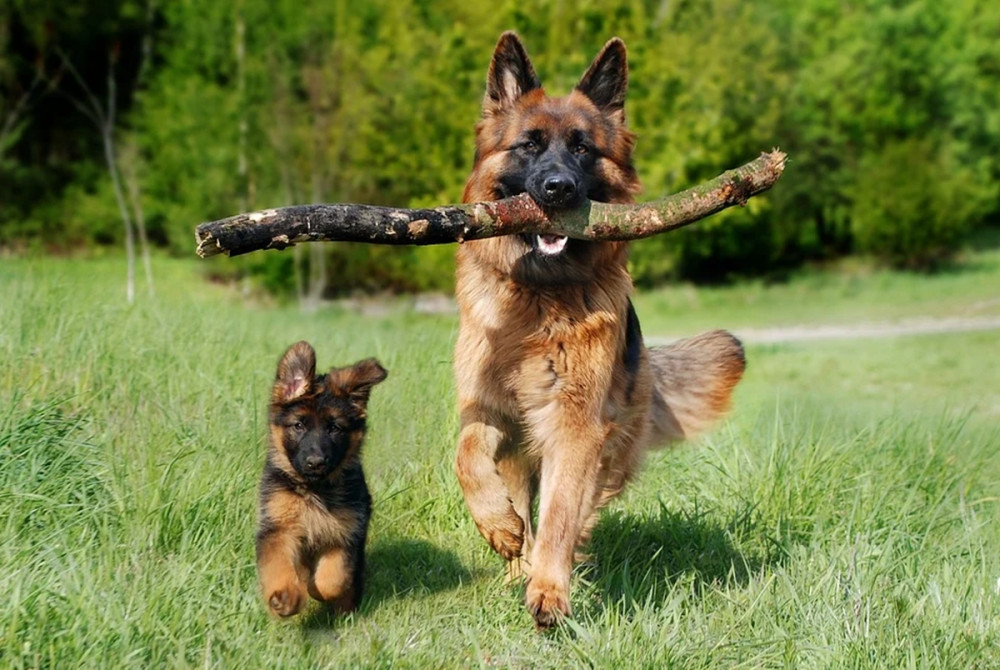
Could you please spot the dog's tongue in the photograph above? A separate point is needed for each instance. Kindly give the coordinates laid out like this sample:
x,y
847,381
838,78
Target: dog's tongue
x,y
551,244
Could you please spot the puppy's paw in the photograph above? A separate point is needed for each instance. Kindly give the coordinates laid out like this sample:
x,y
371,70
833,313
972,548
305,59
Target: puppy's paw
x,y
286,601
547,602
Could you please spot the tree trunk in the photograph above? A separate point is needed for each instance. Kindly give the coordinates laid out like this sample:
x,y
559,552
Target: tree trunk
x,y
241,88
130,176
108,137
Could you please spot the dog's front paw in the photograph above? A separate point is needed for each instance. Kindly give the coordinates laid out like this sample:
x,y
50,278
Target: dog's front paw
x,y
547,602
505,534
286,601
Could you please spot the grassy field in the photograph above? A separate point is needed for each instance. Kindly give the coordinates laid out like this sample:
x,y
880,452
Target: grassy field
x,y
846,515
853,292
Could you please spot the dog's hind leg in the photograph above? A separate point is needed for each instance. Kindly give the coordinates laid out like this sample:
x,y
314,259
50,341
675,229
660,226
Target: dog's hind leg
x,y
621,459
485,491
519,474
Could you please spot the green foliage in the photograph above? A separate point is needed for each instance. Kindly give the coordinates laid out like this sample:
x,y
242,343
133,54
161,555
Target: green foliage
x,y
912,205
264,103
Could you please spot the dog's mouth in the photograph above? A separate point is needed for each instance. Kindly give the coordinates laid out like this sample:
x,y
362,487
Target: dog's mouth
x,y
547,245
314,476
317,474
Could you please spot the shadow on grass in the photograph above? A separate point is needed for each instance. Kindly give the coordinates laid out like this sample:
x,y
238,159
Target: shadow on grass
x,y
637,559
399,568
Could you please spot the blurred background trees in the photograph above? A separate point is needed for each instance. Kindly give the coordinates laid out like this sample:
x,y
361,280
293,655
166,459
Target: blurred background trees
x,y
890,112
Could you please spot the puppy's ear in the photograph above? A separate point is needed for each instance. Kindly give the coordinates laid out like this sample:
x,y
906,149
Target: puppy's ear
x,y
295,373
606,80
511,75
356,381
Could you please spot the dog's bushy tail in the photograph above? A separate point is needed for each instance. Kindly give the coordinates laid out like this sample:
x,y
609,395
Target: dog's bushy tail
x,y
693,384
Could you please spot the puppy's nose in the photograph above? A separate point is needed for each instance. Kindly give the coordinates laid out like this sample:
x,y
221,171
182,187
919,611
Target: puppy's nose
x,y
559,187
315,462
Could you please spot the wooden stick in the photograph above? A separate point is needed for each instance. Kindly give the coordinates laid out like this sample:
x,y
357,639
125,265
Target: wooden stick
x,y
286,226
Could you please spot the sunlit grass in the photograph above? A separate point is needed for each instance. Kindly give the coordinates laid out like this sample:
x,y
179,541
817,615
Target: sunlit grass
x,y
845,516
851,291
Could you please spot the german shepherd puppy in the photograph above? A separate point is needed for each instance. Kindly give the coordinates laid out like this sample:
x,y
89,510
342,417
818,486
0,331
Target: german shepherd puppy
x,y
314,504
558,396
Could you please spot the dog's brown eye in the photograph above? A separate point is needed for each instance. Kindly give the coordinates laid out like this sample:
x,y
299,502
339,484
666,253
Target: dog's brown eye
x,y
530,146
581,149
298,425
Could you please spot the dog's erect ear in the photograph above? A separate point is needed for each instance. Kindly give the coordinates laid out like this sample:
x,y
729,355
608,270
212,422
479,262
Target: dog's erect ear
x,y
295,373
356,381
511,75
606,80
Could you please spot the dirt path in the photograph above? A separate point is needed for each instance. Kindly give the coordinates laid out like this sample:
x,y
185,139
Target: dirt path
x,y
441,304
903,327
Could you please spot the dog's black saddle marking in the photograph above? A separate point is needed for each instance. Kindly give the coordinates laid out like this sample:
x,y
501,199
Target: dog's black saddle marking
x,y
633,348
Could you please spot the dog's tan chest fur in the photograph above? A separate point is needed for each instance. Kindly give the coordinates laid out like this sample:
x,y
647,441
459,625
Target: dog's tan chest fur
x,y
304,515
520,348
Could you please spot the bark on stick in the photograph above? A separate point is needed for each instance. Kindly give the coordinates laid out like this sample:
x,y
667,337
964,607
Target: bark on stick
x,y
286,226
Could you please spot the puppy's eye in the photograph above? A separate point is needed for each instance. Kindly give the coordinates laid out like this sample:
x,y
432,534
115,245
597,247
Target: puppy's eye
x,y
581,149
530,146
297,426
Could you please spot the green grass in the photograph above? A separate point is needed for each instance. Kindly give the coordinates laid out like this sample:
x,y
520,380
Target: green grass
x,y
855,292
845,516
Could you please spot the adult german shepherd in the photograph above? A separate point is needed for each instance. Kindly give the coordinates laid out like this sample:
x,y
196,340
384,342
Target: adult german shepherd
x,y
314,503
558,396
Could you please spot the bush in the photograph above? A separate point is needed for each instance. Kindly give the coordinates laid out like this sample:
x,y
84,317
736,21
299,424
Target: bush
x,y
355,267
913,203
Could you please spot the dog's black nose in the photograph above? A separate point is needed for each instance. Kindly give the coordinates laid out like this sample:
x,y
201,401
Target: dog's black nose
x,y
315,462
559,188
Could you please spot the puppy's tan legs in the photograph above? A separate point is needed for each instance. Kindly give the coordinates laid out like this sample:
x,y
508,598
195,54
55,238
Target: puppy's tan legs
x,y
333,580
484,489
282,576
